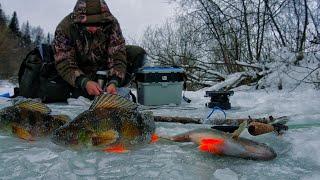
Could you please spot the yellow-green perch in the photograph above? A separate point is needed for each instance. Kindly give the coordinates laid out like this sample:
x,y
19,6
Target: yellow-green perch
x,y
30,120
112,124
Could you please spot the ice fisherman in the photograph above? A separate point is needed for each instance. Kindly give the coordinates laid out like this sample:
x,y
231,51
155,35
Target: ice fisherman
x,y
89,40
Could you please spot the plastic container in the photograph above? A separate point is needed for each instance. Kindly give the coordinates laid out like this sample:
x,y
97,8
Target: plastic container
x,y
6,95
160,85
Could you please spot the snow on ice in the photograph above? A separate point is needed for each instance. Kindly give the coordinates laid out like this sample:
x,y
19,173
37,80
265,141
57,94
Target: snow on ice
x,y
298,149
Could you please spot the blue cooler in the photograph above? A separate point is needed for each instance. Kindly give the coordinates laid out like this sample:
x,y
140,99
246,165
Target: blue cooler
x,y
160,85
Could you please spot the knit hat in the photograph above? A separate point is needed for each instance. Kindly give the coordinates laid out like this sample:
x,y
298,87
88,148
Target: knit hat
x,y
91,12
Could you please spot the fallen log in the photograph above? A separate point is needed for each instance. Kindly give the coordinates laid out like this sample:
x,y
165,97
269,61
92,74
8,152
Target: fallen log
x,y
182,120
233,122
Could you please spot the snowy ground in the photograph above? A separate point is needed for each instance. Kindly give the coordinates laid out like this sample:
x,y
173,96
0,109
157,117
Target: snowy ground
x,y
298,150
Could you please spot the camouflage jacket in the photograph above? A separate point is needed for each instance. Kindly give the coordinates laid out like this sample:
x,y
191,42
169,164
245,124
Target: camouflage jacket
x,y
79,53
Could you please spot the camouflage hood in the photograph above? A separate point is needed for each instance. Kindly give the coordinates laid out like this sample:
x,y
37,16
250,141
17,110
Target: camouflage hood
x,y
92,12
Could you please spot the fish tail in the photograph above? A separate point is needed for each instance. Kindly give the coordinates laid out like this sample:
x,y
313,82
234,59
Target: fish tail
x,y
211,145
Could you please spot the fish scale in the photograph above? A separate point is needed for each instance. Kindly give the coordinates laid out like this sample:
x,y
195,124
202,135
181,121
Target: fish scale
x,y
111,121
226,144
29,120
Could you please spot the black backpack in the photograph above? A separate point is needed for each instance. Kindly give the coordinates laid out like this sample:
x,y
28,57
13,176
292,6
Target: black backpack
x,y
38,77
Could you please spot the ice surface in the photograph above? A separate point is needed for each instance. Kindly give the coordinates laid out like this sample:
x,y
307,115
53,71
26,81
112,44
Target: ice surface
x,y
298,149
222,174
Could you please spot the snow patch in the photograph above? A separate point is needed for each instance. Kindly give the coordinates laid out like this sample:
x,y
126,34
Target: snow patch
x,y
6,87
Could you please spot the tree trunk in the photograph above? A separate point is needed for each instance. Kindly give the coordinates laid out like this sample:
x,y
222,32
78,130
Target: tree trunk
x,y
245,17
275,23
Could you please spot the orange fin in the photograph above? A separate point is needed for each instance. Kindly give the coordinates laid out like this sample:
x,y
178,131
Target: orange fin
x,y
118,149
211,145
154,138
22,133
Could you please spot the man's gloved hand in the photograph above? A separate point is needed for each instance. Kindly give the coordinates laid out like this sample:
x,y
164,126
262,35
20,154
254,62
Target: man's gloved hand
x,y
93,88
111,89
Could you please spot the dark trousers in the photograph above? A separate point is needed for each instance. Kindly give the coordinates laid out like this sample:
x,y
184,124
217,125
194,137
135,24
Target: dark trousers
x,y
135,59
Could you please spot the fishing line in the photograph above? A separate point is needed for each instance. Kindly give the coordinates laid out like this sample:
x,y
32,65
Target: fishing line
x,y
216,108
144,108
303,126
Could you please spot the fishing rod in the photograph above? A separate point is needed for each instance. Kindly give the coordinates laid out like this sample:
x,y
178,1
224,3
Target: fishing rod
x,y
258,128
303,126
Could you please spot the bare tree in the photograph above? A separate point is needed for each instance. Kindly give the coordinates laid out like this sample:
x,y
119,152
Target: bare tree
x,y
237,36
